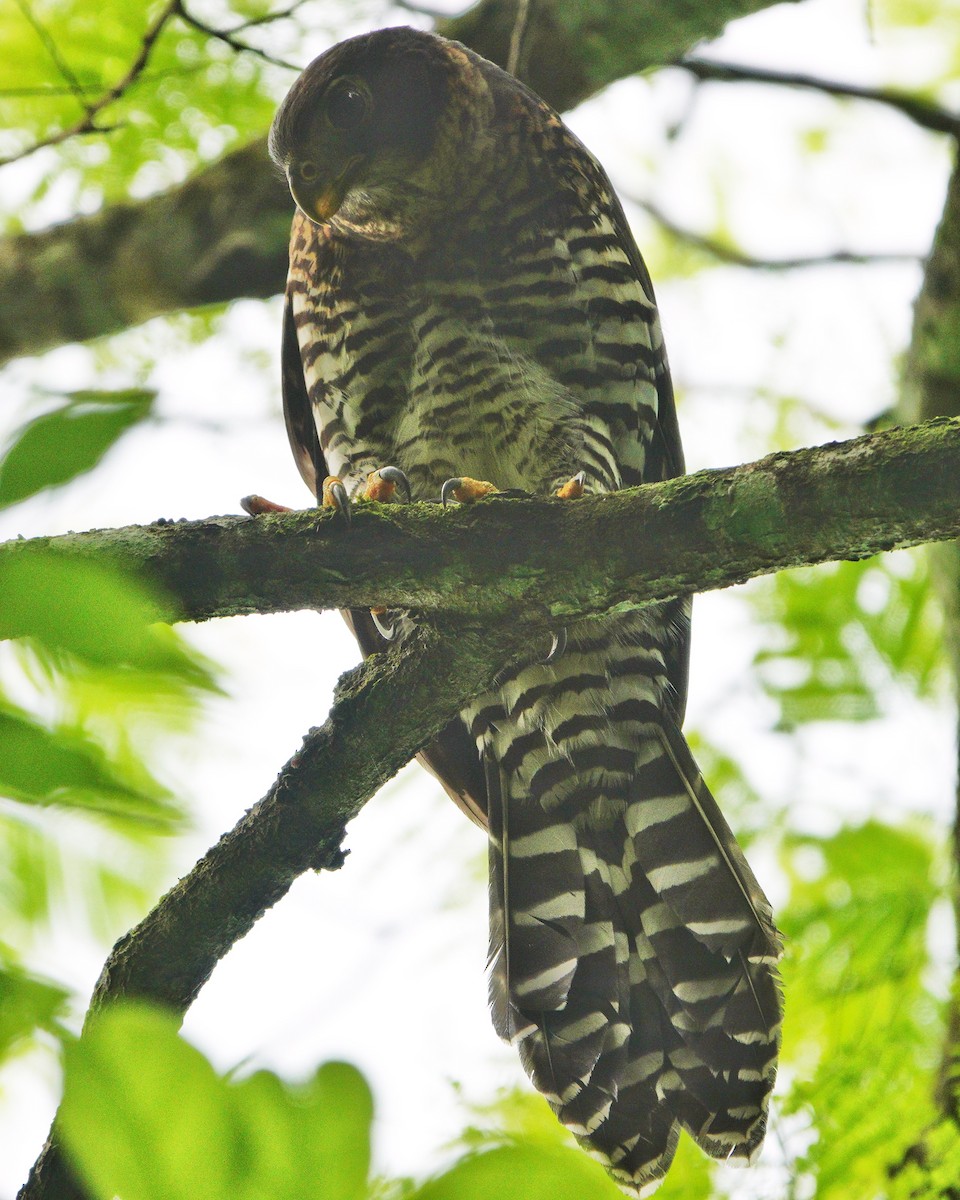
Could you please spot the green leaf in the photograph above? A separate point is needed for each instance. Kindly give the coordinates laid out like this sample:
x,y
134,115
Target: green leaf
x,y
518,1117
143,1113
308,1140
94,611
62,444
863,1032
63,766
106,874
145,1117
690,1176
523,1173
27,1003
838,633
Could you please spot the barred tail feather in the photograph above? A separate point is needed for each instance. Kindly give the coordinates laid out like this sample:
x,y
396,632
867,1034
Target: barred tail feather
x,y
634,962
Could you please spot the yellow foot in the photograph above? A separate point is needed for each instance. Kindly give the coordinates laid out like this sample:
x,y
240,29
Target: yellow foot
x,y
573,488
381,485
334,495
465,490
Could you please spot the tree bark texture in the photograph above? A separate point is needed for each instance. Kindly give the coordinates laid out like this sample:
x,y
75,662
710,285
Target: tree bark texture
x,y
930,382
553,560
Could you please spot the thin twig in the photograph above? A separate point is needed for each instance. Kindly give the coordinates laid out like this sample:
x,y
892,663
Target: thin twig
x,y
52,89
88,123
227,37
730,254
75,87
518,36
269,18
922,112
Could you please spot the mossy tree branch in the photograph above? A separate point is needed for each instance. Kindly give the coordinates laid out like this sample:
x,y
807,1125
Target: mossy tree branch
x,y
553,560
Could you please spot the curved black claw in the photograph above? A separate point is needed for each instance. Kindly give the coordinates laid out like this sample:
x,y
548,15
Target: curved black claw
x,y
382,483
465,490
387,631
448,489
334,495
558,647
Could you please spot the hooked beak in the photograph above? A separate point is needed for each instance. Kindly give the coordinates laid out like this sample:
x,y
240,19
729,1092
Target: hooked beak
x,y
320,199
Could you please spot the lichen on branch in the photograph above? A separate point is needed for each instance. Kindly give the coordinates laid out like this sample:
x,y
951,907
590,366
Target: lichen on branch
x,y
551,560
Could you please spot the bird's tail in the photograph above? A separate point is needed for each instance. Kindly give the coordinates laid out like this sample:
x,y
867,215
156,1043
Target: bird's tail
x,y
633,959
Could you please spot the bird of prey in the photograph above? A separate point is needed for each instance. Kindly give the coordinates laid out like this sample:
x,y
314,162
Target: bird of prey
x,y
466,304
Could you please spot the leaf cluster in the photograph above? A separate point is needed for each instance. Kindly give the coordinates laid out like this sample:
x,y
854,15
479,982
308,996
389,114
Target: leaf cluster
x,y
88,684
864,1024
146,1117
194,98
839,636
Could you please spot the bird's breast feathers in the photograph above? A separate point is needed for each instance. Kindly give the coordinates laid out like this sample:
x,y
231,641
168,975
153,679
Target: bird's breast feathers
x,y
524,364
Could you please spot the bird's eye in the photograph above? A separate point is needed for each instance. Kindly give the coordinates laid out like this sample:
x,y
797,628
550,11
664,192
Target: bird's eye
x,y
308,171
347,107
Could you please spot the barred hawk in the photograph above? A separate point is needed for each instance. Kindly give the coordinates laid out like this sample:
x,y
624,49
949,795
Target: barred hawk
x,y
466,302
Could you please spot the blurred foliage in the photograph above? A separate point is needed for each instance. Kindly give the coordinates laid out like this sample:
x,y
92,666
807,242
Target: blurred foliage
x,y
930,1173
27,1003
68,441
89,688
146,1117
939,17
62,766
838,635
863,1028
87,818
523,1121
88,613
193,99
750,813
212,78
522,1172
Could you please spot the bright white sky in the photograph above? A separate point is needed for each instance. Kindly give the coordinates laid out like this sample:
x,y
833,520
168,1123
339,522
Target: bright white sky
x,y
383,963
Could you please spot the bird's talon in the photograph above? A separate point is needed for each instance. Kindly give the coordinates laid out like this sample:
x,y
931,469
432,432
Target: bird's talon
x,y
382,484
388,631
334,495
256,506
573,488
465,490
558,647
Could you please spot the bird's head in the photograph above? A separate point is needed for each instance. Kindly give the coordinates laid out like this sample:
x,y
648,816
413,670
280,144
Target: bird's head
x,y
374,130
